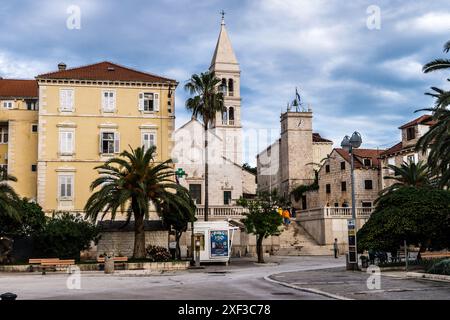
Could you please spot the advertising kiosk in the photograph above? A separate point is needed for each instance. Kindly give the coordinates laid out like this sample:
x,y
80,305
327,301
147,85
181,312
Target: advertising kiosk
x,y
216,239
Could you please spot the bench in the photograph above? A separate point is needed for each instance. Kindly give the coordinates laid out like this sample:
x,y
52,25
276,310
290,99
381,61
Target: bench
x,y
434,255
50,262
116,259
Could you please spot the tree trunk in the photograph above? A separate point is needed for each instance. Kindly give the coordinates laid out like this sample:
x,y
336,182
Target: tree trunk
x,y
206,174
139,237
177,248
259,248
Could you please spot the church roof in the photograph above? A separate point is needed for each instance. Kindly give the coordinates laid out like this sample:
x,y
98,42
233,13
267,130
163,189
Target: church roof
x,y
15,88
223,54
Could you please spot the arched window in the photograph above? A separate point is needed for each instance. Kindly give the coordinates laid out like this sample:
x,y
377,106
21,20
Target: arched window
x,y
223,86
225,116
231,115
230,86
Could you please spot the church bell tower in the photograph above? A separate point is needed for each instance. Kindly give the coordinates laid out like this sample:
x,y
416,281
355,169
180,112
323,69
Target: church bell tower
x,y
228,124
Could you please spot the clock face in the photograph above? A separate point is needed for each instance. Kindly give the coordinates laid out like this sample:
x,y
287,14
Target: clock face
x,y
299,123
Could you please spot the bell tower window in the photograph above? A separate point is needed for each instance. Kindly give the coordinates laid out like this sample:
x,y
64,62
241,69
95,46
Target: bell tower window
x,y
230,87
231,116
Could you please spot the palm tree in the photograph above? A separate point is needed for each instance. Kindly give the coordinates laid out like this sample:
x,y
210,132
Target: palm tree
x,y
129,183
9,200
437,139
408,174
206,102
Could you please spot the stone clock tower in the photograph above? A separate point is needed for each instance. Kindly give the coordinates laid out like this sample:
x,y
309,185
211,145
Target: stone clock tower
x,y
228,125
296,147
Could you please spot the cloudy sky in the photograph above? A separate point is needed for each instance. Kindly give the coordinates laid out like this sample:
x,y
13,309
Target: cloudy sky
x,y
353,77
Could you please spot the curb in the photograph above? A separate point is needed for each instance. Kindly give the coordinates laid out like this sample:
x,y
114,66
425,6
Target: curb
x,y
428,276
309,290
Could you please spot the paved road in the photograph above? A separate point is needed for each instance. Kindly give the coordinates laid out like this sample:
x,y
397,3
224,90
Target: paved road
x,y
241,280
353,285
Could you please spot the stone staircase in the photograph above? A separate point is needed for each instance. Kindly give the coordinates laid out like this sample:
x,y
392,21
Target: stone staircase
x,y
296,241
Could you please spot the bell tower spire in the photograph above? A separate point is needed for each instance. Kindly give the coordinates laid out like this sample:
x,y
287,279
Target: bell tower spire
x,y
226,67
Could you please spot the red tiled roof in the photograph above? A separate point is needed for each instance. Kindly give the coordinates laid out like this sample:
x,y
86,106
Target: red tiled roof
x,y
393,149
317,138
426,119
361,154
13,88
104,71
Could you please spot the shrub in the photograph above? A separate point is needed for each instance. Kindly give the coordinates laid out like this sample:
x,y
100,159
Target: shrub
x,y
158,254
65,235
440,267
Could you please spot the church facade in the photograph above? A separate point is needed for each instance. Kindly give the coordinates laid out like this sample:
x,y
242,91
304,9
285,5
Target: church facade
x,y
228,180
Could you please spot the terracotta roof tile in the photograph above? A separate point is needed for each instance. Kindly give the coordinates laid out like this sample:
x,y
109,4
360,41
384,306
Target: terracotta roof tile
x,y
14,88
104,71
395,148
317,138
361,154
426,119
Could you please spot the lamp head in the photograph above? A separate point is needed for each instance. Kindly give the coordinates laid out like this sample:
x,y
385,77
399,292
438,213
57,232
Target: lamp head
x,y
345,144
356,140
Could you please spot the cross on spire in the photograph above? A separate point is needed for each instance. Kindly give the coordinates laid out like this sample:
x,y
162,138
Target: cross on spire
x,y
223,16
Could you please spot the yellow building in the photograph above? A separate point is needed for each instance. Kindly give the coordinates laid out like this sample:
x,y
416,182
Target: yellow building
x,y
86,116
19,133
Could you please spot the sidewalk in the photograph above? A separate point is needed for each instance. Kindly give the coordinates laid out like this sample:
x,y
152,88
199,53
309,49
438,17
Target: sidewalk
x,y
339,283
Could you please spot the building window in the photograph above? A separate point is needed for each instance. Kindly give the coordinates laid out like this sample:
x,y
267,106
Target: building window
x,y
66,139
8,104
368,184
108,101
65,183
3,135
148,102
328,188
32,105
148,140
343,186
367,162
223,86
196,192
66,97
34,128
33,167
366,204
327,168
342,165
231,116
410,133
225,116
227,197
231,87
109,142
304,202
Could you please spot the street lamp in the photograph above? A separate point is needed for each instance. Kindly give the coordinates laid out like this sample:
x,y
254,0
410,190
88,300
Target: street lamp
x,y
348,144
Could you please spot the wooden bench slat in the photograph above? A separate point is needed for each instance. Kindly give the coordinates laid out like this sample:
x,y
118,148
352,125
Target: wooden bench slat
x,y
38,261
116,259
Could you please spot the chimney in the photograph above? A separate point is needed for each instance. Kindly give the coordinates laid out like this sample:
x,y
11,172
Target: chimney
x,y
62,66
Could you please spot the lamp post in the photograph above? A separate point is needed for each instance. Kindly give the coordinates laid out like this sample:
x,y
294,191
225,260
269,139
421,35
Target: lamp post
x,y
348,144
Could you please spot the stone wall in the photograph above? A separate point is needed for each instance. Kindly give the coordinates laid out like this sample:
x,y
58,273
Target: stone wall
x,y
122,243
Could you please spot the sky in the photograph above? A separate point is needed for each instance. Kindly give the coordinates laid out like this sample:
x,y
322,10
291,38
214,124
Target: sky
x,y
357,69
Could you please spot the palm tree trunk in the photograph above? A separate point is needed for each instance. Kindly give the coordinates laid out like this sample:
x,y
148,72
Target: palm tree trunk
x,y
177,248
259,248
206,174
139,237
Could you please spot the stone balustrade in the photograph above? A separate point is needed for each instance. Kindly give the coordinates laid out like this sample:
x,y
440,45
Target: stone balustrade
x,y
221,211
335,212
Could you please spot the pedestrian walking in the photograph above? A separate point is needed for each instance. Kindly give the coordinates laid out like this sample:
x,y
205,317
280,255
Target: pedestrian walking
x,y
336,248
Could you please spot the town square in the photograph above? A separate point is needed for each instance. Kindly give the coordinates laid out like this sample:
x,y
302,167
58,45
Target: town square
x,y
228,151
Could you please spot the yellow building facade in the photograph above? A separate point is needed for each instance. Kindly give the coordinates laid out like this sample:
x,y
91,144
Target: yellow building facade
x,y
88,115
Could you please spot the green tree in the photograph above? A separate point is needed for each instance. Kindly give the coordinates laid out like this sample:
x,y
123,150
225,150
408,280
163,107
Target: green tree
x,y
128,184
421,216
262,218
9,200
408,174
206,102
437,139
177,215
31,220
64,236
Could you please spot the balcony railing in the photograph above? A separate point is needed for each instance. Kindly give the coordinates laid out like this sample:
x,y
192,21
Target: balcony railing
x,y
221,211
335,212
